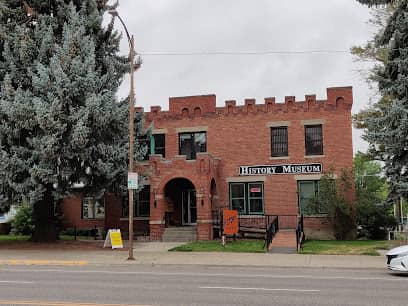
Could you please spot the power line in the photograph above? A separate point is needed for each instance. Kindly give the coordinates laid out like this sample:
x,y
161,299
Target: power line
x,y
270,52
209,53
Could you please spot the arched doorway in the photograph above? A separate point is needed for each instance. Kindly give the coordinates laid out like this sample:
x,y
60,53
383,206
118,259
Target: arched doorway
x,y
180,195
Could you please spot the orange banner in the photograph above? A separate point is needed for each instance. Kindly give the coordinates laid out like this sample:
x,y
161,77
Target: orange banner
x,y
230,221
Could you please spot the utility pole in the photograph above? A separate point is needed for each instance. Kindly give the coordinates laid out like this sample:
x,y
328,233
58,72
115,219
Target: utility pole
x,y
131,144
131,128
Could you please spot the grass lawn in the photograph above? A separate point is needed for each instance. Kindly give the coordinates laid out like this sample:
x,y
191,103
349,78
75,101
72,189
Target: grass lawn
x,y
5,239
17,239
347,247
249,246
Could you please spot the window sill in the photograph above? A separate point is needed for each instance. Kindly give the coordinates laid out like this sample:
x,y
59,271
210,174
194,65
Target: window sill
x,y
316,216
315,156
93,219
278,157
142,163
135,218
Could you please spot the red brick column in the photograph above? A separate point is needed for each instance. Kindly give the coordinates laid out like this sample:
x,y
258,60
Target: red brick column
x,y
157,212
204,217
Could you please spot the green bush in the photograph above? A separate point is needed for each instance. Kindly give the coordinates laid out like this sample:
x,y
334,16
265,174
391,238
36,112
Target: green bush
x,y
374,220
333,197
22,223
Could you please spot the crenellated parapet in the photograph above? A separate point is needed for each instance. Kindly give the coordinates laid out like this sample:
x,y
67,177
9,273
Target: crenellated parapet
x,y
205,105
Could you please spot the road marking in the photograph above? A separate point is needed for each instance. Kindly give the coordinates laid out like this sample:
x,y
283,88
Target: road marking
x,y
270,276
262,289
15,282
49,303
27,262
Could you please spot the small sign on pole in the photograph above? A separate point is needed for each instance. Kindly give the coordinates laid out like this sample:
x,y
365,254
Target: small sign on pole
x,y
132,180
113,239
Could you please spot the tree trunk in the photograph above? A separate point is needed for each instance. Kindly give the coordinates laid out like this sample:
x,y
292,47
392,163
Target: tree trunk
x,y
44,219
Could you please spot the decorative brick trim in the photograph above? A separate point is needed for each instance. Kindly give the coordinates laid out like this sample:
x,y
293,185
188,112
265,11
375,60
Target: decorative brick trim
x,y
159,196
310,177
312,122
205,221
243,179
159,131
278,123
279,157
315,156
154,222
192,129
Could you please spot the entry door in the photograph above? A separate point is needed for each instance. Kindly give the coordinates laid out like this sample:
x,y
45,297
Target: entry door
x,y
189,207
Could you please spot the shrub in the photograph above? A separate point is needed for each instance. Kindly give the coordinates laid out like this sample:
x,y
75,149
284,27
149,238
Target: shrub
x,y
374,220
22,223
334,198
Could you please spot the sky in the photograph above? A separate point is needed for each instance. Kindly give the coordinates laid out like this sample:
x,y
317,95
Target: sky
x,y
163,27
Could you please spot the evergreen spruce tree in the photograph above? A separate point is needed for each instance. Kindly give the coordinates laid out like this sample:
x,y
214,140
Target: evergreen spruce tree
x,y
60,121
387,125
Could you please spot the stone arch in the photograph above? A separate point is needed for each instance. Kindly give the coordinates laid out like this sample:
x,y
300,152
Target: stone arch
x,y
168,178
180,196
339,100
184,112
197,112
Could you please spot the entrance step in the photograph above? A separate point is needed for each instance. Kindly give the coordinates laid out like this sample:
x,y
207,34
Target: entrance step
x,y
284,242
180,234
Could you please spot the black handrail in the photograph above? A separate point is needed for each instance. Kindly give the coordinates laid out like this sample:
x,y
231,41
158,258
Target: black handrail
x,y
300,234
271,231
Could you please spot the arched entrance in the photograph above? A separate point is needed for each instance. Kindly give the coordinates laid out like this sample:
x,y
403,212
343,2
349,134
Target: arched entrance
x,y
181,201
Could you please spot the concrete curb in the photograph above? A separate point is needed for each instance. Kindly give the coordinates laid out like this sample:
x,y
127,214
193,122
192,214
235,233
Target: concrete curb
x,y
162,257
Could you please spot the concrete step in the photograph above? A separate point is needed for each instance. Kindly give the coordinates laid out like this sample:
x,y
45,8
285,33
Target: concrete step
x,y
180,234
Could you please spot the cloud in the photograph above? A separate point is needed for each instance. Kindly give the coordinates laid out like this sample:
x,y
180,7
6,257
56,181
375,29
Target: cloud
x,y
242,25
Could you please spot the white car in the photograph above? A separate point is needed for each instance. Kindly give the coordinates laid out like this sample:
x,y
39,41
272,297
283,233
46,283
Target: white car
x,y
397,259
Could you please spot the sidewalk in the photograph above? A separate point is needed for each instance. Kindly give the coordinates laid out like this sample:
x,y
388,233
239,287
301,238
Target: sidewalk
x,y
155,253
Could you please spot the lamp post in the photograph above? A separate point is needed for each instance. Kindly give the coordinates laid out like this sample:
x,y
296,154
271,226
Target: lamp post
x,y
131,129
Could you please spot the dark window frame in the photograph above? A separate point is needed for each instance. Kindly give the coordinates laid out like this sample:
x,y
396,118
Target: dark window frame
x,y
314,139
279,141
247,197
306,208
161,149
93,204
193,153
140,197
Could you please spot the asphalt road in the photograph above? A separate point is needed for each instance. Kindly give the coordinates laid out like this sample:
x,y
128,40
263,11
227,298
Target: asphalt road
x,y
198,285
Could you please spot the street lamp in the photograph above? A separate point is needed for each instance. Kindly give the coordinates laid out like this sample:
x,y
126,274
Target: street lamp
x,y
115,13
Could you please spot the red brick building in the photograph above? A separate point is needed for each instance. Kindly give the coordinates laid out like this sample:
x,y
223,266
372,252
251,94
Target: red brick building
x,y
261,159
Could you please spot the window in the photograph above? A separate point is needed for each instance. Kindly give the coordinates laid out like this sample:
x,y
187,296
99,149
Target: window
x,y
141,203
314,139
192,143
279,141
159,144
247,198
307,194
92,208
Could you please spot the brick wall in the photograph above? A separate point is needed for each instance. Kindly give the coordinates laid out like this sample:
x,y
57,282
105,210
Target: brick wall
x,y
71,208
240,135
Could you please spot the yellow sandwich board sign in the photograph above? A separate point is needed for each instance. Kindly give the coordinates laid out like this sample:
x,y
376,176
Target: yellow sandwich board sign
x,y
113,239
